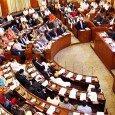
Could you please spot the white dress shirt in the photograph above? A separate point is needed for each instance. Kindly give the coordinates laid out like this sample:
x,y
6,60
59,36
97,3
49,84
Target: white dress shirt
x,y
2,31
25,12
85,109
23,19
18,46
94,5
47,12
35,16
31,11
10,18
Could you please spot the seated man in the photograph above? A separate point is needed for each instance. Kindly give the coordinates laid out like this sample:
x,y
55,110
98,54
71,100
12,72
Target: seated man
x,y
25,12
84,108
18,50
22,78
66,104
81,25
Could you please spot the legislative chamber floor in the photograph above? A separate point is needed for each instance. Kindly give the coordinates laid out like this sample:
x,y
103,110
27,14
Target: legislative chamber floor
x,y
81,58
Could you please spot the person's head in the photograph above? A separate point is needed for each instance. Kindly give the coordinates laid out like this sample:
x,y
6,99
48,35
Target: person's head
x,y
21,71
83,103
66,100
52,96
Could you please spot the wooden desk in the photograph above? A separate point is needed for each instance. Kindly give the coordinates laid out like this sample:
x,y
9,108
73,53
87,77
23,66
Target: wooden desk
x,y
84,36
104,52
60,44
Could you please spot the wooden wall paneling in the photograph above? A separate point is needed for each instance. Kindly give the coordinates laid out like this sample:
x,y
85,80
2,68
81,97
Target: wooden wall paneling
x,y
60,1
34,3
4,7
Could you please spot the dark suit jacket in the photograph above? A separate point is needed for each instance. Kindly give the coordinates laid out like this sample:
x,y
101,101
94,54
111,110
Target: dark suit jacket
x,y
79,27
50,25
22,79
38,66
59,31
52,34
48,37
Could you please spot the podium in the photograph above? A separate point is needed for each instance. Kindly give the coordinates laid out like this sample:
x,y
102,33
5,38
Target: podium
x,y
84,36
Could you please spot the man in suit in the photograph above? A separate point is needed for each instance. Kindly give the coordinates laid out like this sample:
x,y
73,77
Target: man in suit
x,y
22,78
48,37
38,65
81,25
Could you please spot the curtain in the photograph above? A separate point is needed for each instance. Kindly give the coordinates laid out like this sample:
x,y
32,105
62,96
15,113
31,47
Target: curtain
x,y
17,5
0,11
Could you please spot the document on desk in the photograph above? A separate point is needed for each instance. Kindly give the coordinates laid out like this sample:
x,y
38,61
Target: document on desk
x,y
93,96
87,28
33,100
73,93
88,80
76,113
62,91
65,33
82,30
79,77
5,70
30,70
82,96
69,75
6,75
45,83
33,74
100,113
51,110
15,84
61,71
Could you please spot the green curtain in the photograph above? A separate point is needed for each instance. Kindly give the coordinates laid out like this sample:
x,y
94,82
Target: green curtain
x,y
17,5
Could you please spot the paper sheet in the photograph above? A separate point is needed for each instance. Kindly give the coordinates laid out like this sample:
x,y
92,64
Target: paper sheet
x,y
88,79
69,75
33,74
79,77
100,113
73,93
51,110
62,91
61,71
93,96
83,96
45,83
75,113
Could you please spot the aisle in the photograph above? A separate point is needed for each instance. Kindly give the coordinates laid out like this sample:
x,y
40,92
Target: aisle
x,y
81,58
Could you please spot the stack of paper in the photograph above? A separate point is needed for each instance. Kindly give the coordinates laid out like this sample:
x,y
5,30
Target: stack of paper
x,y
79,77
43,104
33,74
73,93
75,113
100,113
69,75
51,110
61,71
83,96
88,79
53,86
62,91
93,96
45,83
